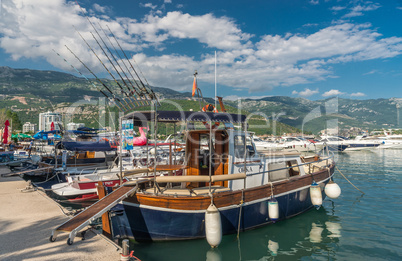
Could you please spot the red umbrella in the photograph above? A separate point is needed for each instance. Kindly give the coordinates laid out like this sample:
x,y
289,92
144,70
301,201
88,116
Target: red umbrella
x,y
52,126
5,133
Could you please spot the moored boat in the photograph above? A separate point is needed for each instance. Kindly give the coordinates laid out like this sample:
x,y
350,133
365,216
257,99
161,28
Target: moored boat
x,y
221,170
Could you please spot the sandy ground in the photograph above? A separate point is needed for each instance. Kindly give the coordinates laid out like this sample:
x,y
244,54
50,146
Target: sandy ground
x,y
27,221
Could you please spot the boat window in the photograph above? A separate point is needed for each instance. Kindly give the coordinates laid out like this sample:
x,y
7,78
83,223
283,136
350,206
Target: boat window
x,y
205,150
293,168
277,171
239,146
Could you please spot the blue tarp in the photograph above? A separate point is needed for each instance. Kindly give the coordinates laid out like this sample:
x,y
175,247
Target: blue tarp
x,y
86,146
41,135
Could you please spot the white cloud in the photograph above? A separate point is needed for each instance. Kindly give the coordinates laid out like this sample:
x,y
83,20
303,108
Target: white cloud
x,y
371,72
359,9
226,35
100,8
32,28
148,5
332,93
337,8
307,92
358,94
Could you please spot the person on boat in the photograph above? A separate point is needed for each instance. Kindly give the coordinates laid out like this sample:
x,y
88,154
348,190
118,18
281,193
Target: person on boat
x,y
30,148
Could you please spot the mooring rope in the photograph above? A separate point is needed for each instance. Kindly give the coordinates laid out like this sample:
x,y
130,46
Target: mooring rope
x,y
241,206
348,180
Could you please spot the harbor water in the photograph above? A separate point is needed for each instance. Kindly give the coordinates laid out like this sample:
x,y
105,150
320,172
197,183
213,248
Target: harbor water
x,y
354,226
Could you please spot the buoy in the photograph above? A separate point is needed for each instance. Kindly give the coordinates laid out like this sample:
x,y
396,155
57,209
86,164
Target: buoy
x,y
315,195
273,209
332,190
213,226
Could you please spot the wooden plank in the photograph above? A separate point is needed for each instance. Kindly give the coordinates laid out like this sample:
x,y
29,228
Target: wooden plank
x,y
106,228
34,170
85,215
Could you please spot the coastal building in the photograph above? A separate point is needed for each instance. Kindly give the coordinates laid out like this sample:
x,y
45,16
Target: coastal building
x,y
74,126
46,119
29,127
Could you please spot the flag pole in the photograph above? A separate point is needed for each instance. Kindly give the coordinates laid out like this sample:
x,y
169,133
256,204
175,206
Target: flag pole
x,y
215,80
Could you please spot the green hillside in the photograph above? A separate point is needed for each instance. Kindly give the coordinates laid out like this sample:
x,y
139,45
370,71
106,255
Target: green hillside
x,y
29,92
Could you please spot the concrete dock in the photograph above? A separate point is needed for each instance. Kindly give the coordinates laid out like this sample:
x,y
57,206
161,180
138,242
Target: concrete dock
x,y
27,220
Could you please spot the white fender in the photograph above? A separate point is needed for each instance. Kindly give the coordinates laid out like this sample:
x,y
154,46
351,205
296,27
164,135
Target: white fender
x,y
213,226
273,209
316,195
332,190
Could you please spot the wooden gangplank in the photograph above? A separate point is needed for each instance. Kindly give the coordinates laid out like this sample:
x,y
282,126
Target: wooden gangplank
x,y
48,169
78,222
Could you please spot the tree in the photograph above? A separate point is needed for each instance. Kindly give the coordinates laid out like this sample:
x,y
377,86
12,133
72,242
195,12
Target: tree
x,y
12,117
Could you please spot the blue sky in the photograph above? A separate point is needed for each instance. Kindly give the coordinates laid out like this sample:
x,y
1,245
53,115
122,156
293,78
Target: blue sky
x,y
313,49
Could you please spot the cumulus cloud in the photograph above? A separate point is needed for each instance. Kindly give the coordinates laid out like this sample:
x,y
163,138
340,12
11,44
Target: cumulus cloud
x,y
332,93
306,93
32,28
358,94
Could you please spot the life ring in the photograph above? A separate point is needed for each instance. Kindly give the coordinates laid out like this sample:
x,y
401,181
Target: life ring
x,y
210,108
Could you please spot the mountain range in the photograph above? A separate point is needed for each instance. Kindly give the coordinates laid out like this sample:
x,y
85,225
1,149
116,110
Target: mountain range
x,y
29,92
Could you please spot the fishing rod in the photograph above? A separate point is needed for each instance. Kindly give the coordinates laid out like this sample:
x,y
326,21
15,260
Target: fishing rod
x,y
122,60
104,85
148,86
128,88
114,67
121,88
104,94
152,94
132,76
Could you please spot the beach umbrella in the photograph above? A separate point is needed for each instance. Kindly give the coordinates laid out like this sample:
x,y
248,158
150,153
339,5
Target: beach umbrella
x,y
21,136
5,133
52,126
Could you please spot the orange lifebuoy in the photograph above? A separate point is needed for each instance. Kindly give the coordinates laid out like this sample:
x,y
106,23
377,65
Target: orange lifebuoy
x,y
210,108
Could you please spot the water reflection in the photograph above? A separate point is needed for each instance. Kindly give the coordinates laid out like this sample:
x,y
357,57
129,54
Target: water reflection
x,y
302,236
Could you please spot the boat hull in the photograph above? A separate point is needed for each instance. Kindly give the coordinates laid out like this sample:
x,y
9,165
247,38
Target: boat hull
x,y
171,219
363,146
337,147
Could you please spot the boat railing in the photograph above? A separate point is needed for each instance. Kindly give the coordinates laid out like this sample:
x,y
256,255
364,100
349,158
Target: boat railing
x,y
329,157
